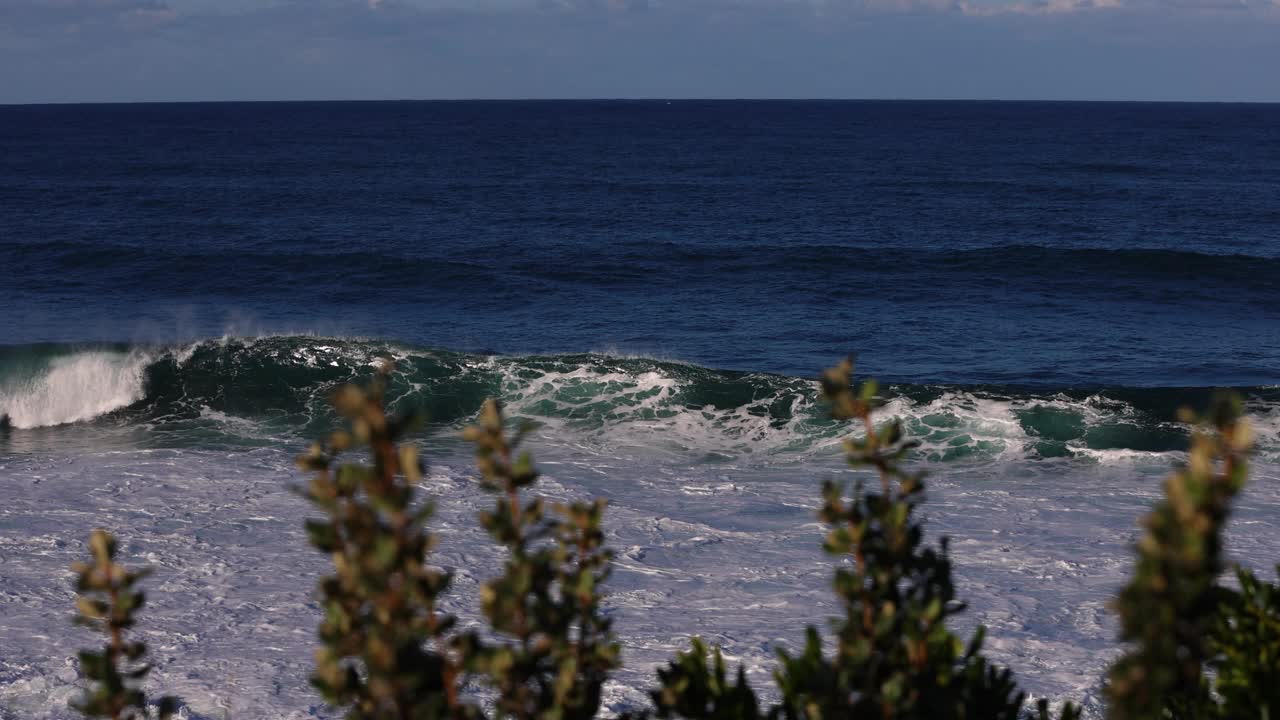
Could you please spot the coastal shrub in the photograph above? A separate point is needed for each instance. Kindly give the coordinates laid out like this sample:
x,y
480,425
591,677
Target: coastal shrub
x,y
1194,648
555,647
1245,644
692,687
1178,618
107,601
386,650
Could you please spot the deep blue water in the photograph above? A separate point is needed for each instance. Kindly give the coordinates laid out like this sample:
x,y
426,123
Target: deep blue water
x,y
1050,244
654,286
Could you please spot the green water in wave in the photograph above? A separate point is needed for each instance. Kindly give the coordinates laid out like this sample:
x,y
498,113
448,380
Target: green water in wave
x,y
275,389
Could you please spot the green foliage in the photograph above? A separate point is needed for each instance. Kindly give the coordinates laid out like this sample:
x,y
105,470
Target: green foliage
x,y
1245,639
556,648
693,688
1171,604
385,652
108,601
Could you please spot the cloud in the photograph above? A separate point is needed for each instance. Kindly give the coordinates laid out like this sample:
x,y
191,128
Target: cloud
x,y
1042,7
41,16
366,49
77,9
1160,7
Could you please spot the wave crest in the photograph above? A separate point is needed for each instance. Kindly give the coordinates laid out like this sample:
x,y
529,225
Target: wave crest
x,y
75,388
612,404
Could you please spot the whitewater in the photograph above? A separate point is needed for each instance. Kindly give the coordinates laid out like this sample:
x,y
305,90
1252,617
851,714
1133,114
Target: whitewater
x,y
186,452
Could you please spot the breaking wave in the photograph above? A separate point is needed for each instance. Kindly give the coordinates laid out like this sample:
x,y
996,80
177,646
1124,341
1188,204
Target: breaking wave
x,y
73,387
277,385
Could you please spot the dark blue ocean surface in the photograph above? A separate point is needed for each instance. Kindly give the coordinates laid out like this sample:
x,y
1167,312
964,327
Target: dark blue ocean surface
x,y
654,287
1047,244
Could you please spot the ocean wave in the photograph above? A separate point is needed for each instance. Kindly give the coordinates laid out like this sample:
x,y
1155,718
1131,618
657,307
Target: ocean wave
x,y
253,272
606,401
74,387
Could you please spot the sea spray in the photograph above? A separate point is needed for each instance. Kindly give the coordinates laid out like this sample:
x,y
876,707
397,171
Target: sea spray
x,y
74,388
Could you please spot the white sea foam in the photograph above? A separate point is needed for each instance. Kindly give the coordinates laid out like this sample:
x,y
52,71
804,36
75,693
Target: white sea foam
x,y
612,408
729,549
960,420
183,354
1123,455
609,406
1265,418
75,388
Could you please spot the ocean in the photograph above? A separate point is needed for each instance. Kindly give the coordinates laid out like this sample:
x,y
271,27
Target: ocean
x,y
656,286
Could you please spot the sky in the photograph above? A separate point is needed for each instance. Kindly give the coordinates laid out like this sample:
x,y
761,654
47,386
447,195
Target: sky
x,y
185,50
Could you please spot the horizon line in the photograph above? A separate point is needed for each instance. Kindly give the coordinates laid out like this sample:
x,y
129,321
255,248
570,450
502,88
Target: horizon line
x,y
645,99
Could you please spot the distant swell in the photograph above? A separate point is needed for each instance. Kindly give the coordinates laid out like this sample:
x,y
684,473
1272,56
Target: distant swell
x,y
273,385
247,273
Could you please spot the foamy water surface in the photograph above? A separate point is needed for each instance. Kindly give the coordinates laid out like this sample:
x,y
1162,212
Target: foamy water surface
x,y
712,480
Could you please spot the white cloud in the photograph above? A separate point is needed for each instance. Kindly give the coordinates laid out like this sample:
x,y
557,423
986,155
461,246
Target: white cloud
x,y
1042,7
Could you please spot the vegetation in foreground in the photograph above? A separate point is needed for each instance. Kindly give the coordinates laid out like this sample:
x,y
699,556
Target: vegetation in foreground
x,y
1195,649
